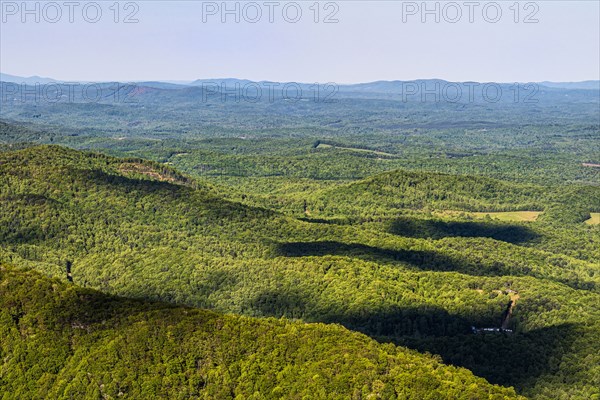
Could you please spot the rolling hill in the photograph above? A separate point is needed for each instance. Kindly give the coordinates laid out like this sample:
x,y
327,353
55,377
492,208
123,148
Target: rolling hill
x,y
140,229
79,343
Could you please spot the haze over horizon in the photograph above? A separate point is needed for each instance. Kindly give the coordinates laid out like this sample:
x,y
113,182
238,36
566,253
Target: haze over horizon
x,y
45,79
553,41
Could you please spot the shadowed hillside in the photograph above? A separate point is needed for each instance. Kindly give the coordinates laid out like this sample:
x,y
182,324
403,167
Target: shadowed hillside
x,y
78,343
140,229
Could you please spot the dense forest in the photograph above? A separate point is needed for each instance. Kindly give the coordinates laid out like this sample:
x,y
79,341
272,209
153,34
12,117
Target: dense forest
x,y
141,229
365,248
61,341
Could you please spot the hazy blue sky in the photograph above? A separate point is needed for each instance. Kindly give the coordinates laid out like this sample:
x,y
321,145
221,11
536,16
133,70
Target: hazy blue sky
x,y
369,42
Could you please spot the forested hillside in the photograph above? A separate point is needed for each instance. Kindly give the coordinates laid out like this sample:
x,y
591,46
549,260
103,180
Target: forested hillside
x,y
357,135
312,200
61,341
141,229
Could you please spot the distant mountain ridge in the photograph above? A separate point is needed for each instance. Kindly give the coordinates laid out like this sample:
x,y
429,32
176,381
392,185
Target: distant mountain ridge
x,y
29,80
591,85
374,86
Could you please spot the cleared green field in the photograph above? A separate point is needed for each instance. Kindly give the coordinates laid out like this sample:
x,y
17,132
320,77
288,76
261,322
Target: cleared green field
x,y
381,153
594,220
511,216
507,216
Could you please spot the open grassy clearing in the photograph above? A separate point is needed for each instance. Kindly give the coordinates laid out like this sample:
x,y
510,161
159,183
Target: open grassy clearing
x,y
381,153
507,216
594,220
